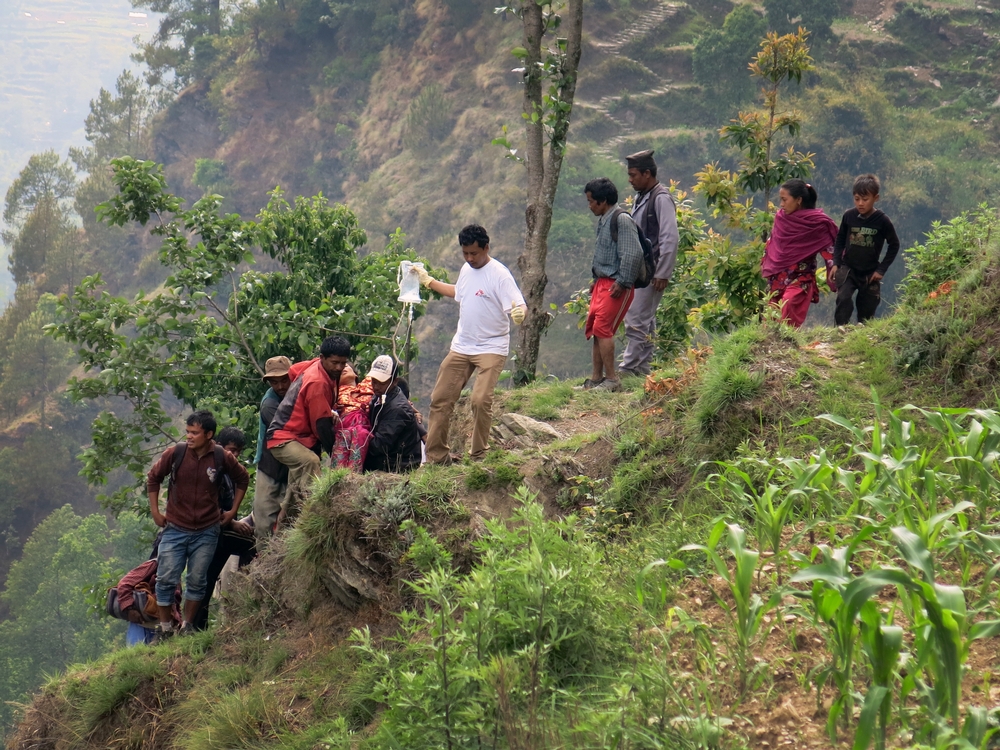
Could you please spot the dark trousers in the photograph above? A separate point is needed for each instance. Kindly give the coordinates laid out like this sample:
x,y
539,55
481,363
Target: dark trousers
x,y
230,543
869,294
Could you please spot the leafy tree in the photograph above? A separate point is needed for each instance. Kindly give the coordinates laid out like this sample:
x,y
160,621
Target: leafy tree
x,y
755,133
42,231
720,56
35,363
184,34
43,178
211,175
735,265
205,336
786,16
117,123
550,76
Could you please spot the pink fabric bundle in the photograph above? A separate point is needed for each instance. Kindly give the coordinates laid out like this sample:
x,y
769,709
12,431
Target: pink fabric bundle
x,y
797,237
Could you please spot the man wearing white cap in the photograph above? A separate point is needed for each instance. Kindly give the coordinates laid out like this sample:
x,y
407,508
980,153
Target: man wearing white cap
x,y
394,442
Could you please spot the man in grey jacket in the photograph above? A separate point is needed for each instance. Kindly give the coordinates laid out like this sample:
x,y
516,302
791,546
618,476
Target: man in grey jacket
x,y
655,213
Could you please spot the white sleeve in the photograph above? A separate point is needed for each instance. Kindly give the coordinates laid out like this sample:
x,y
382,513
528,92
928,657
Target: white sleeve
x,y
509,291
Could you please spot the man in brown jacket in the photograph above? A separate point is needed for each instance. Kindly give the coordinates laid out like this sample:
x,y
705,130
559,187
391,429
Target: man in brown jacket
x,y
192,519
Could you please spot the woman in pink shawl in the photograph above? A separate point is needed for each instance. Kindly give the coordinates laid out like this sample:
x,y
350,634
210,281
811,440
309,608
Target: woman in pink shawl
x,y
800,232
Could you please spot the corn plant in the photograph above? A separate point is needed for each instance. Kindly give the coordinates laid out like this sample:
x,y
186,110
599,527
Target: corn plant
x,y
883,645
837,599
973,451
750,608
942,637
771,507
814,479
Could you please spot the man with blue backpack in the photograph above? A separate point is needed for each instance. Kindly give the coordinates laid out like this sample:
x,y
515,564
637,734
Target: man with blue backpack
x,y
193,518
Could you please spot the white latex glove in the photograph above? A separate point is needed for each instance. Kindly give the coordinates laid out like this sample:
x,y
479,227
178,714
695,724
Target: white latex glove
x,y
517,312
421,272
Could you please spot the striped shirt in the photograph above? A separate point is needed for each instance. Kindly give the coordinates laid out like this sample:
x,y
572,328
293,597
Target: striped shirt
x,y
621,262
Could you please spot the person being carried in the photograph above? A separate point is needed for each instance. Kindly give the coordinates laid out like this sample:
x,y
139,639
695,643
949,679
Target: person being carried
x,y
136,602
271,484
352,437
856,266
616,266
654,212
305,422
394,440
789,264
486,293
193,519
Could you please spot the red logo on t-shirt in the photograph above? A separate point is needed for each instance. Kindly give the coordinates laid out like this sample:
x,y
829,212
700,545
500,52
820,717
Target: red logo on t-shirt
x,y
480,293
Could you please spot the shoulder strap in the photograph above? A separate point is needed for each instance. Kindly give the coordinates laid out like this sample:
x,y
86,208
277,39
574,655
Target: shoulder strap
x,y
614,223
179,450
220,463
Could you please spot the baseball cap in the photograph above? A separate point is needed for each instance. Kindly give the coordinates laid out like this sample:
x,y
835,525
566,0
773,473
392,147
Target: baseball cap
x,y
383,368
275,367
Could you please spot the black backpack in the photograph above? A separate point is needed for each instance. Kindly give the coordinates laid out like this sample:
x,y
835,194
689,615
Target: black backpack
x,y
224,483
648,267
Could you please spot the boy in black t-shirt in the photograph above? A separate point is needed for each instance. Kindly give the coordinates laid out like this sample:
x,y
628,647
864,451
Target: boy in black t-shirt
x,y
856,267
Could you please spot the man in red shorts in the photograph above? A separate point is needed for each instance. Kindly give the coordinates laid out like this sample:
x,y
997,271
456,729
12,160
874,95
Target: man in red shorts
x,y
616,266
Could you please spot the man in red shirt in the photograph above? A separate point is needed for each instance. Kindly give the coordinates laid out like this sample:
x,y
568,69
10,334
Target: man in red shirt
x,y
193,519
305,423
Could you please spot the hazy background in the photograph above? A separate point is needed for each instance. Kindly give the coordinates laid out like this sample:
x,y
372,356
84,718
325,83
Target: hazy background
x,y
55,55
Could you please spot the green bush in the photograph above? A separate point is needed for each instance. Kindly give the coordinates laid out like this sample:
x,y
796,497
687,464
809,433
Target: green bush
x,y
531,625
948,252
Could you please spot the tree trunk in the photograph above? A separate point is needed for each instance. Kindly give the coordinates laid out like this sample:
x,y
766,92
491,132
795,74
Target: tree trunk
x,y
543,169
214,17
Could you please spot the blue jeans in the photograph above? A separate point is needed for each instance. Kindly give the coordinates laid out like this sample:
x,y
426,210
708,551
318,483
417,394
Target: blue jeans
x,y
137,635
180,548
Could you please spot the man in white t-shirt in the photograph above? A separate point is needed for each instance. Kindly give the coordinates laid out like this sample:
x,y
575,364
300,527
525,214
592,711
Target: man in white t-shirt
x,y
486,293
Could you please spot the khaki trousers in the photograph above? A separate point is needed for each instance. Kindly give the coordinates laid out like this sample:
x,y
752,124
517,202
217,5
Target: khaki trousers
x,y
268,496
303,465
452,376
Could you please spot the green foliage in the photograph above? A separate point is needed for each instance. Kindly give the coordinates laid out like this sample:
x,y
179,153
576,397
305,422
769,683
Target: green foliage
x,y
781,59
950,249
425,553
750,608
727,380
495,652
35,363
49,624
786,16
241,718
117,124
927,341
205,337
720,55
496,470
210,175
543,402
43,180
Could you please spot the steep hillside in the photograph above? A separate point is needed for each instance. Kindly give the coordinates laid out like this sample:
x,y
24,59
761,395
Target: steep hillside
x,y
565,626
